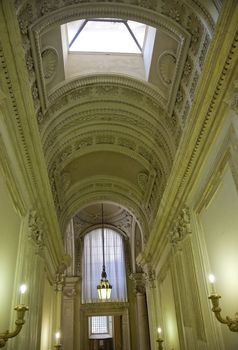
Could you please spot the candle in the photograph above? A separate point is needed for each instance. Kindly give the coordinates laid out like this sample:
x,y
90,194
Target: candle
x,y
22,289
159,331
212,280
57,338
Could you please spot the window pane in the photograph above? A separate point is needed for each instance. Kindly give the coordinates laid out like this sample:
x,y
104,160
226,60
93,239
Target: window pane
x,y
99,325
93,260
108,36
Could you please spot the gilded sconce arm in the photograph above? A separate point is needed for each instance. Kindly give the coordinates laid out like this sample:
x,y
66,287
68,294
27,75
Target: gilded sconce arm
x,y
232,323
21,309
160,343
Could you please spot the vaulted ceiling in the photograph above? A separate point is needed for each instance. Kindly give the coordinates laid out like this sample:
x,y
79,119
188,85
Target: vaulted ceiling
x,y
106,136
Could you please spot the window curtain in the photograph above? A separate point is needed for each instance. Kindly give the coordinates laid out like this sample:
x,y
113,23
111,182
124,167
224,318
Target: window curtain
x,y
114,262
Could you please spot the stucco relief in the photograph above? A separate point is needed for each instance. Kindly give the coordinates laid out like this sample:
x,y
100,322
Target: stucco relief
x,y
166,67
190,20
36,229
232,97
181,228
49,62
173,9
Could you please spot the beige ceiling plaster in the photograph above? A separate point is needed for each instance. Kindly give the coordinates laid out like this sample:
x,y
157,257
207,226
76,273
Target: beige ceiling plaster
x,y
114,216
142,107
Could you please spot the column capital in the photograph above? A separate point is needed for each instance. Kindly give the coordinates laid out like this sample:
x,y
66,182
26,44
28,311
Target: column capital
x,y
71,287
139,282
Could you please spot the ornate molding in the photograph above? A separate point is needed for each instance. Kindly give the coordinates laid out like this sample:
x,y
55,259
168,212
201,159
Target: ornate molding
x,y
58,13
98,190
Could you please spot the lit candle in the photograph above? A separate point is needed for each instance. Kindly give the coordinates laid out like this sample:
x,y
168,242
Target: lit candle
x,y
22,289
212,280
159,331
57,338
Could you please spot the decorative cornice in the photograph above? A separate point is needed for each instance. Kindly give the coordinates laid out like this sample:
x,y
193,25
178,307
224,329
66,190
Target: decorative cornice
x,y
111,306
203,124
106,82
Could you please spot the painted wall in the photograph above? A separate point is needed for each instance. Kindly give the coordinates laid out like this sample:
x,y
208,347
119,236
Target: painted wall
x,y
168,312
9,238
220,228
48,315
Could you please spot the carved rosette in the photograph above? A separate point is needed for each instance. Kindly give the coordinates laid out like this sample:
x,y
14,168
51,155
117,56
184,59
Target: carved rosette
x,y
36,229
181,228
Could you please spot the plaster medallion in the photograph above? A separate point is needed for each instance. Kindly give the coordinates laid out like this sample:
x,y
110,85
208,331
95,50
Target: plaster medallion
x,y
166,67
49,62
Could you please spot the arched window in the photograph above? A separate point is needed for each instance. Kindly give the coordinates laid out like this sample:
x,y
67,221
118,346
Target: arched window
x,y
114,262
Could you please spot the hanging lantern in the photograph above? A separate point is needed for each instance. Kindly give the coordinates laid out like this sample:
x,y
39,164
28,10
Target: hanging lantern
x,y
104,288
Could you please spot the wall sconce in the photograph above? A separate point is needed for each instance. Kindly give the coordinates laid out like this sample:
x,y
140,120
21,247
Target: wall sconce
x,y
57,339
232,323
160,340
20,309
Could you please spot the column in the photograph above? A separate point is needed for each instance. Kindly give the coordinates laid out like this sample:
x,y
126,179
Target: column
x,y
142,313
70,292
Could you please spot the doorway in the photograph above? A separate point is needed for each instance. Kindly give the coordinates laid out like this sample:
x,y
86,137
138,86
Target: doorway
x,y
105,332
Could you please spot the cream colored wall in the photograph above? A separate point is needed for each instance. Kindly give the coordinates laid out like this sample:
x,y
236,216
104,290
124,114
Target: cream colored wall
x,y
168,313
9,239
219,223
48,317
214,203
81,64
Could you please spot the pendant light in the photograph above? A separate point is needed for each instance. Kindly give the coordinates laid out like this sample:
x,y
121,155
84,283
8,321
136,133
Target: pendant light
x,y
104,288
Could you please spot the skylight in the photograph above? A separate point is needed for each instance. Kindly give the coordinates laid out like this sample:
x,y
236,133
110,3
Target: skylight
x,y
106,36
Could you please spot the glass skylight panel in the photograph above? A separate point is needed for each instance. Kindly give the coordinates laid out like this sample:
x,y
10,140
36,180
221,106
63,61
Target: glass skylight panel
x,y
106,36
